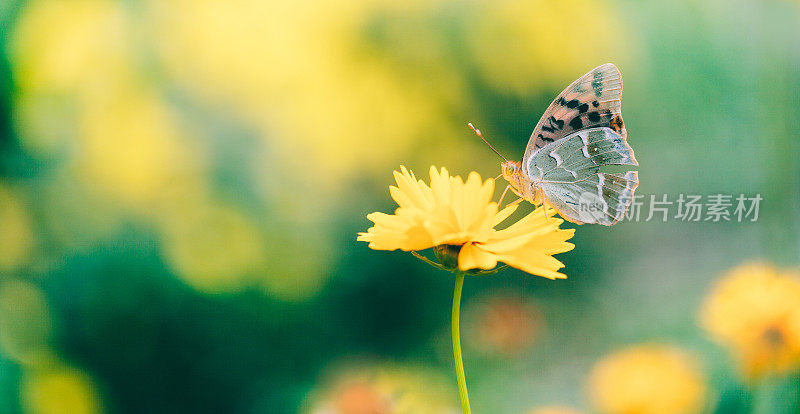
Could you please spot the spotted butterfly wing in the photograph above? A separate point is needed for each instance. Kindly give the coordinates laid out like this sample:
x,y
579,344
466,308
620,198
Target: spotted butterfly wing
x,y
581,131
593,100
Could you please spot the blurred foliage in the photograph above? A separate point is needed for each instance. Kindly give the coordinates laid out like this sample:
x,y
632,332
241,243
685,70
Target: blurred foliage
x,y
181,183
378,389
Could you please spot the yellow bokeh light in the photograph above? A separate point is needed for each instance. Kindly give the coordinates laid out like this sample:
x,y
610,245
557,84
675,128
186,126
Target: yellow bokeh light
x,y
131,147
16,234
59,391
60,51
521,47
304,79
217,248
75,68
67,46
214,248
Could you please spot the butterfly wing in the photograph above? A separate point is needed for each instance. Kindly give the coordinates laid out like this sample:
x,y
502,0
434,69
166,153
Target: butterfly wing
x,y
593,100
568,173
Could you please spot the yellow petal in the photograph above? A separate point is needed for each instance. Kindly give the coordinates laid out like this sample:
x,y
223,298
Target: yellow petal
x,y
530,246
392,232
548,243
534,222
472,256
440,186
534,263
504,214
410,192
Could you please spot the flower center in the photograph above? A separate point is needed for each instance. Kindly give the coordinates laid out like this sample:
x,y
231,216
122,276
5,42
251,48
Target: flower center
x,y
773,337
447,255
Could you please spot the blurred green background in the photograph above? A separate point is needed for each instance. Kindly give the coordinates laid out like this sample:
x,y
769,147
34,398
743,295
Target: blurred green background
x,y
181,183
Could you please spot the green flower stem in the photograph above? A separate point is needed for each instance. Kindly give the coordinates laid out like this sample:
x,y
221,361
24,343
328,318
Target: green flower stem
x,y
462,382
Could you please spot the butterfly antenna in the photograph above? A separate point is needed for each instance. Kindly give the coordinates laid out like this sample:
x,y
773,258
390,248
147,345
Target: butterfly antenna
x,y
478,132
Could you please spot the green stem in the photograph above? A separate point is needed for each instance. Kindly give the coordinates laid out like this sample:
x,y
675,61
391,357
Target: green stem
x,y
462,382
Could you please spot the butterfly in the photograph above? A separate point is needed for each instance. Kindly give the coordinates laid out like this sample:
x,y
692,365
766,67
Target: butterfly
x,y
580,132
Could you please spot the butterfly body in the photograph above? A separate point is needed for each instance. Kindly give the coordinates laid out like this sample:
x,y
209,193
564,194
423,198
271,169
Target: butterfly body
x,y
519,182
581,131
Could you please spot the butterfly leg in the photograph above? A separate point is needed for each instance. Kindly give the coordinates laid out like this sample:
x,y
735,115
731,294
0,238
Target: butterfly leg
x,y
500,202
519,200
540,193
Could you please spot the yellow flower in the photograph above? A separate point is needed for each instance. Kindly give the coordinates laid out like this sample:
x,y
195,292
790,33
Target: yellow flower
x,y
461,216
647,379
755,311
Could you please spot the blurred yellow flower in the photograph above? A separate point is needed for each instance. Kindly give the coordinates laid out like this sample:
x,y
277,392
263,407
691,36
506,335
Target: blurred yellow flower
x,y
754,310
554,410
647,379
461,215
